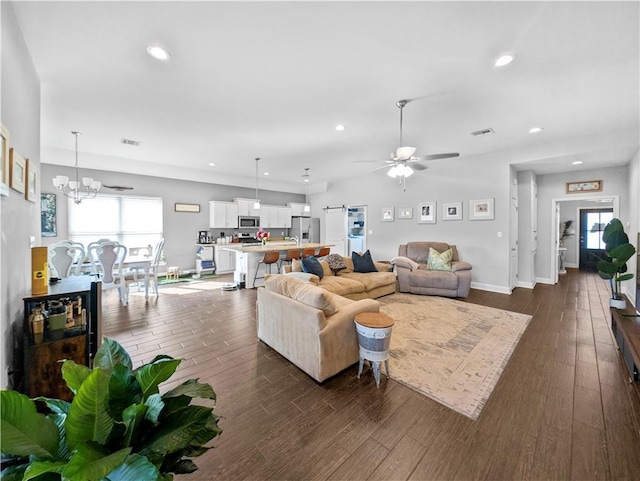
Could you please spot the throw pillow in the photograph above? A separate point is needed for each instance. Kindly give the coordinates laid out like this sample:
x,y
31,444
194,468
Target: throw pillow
x,y
439,262
336,262
312,266
363,263
296,265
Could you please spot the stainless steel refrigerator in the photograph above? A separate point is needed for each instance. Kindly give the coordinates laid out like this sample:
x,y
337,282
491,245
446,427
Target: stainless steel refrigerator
x,y
306,229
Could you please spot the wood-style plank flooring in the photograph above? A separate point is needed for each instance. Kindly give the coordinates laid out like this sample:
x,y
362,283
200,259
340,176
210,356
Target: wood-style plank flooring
x,y
562,410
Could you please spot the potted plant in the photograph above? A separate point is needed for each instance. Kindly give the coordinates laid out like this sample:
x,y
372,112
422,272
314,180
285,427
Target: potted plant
x,y
614,267
565,231
117,427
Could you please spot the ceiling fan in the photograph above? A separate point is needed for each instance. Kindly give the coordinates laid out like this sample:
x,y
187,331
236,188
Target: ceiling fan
x,y
402,162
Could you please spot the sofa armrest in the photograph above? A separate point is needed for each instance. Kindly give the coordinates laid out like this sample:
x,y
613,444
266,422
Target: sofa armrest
x,y
381,266
460,266
405,262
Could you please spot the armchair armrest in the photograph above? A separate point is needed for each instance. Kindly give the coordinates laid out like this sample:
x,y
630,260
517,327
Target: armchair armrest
x,y
405,262
460,266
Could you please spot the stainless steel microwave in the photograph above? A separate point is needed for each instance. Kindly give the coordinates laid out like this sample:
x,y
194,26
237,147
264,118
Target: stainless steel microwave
x,y
246,222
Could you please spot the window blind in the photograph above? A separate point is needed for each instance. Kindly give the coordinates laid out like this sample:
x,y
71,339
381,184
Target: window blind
x,y
134,221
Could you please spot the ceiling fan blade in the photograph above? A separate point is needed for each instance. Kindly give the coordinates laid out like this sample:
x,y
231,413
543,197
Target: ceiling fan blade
x,y
417,166
386,166
439,156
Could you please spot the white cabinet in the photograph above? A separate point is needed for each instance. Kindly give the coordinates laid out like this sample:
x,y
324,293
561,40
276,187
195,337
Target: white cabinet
x,y
225,260
223,215
272,217
245,207
297,210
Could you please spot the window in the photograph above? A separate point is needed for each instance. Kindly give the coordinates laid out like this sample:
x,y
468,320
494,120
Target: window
x,y
596,222
132,221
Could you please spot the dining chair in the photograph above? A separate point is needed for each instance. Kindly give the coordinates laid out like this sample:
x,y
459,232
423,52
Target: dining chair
x,y
65,258
107,259
150,275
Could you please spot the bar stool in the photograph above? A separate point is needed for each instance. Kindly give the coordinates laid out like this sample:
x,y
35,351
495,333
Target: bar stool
x,y
308,252
268,259
292,254
324,251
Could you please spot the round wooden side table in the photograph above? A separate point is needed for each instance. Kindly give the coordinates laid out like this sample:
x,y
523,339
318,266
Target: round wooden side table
x,y
374,337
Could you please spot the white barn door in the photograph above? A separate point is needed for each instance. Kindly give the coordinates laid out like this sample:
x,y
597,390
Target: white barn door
x,y
335,222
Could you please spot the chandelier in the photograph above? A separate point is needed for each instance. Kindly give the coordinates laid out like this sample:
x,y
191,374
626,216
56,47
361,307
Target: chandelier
x,y
72,188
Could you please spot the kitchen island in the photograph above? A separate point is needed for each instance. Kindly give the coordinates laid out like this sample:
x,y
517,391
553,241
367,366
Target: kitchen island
x,y
247,258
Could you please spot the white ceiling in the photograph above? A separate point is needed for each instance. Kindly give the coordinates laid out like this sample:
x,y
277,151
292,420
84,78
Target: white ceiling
x,y
272,80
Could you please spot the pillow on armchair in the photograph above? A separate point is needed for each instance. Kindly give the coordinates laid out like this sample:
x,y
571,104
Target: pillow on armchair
x,y
438,261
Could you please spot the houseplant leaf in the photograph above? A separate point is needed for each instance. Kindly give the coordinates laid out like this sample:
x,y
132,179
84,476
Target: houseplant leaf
x,y
56,405
24,431
192,388
89,419
155,404
132,417
91,461
38,468
111,353
134,467
622,253
177,430
74,374
150,376
124,390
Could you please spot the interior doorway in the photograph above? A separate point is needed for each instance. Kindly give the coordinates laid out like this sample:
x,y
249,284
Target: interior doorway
x,y
356,229
592,224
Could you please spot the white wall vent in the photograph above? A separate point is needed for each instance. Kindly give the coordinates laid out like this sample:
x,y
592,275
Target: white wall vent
x,y
135,143
477,133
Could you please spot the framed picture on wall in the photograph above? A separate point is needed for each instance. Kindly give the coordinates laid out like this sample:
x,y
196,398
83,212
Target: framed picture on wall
x,y
405,212
452,211
32,181
584,186
386,214
48,226
17,171
4,161
427,213
481,209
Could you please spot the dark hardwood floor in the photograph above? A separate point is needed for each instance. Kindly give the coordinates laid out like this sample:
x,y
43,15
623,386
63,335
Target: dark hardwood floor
x,y
562,410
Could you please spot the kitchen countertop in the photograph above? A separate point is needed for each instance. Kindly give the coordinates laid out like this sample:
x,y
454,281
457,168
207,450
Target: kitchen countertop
x,y
275,247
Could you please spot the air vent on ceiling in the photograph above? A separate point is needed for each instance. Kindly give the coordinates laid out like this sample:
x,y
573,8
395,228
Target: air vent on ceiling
x,y
477,133
135,143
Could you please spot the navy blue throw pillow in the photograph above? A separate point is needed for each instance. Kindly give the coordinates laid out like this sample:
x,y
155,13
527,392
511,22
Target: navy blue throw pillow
x,y
311,265
363,263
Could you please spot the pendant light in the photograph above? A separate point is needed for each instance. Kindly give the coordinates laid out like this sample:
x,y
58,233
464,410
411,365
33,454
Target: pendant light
x,y
256,204
71,188
307,207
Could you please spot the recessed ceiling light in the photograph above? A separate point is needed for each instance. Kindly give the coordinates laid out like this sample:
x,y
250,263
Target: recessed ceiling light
x,y
535,130
340,127
212,164
504,59
158,52
266,173
577,162
306,180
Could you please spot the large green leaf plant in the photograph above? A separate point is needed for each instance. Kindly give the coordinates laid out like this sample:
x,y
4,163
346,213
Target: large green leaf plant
x,y
618,251
118,427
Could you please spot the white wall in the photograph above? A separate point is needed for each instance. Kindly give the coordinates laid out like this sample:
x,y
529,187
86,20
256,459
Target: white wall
x,y
553,186
19,218
634,227
451,180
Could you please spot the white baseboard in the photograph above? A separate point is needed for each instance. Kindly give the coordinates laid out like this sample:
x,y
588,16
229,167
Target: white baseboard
x,y
526,285
491,288
544,280
572,265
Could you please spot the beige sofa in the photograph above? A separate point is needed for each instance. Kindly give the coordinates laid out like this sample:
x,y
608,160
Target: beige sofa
x,y
310,326
350,284
413,276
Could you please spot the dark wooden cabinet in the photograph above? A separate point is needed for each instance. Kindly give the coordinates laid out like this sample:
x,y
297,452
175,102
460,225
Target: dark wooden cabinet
x,y
625,325
43,375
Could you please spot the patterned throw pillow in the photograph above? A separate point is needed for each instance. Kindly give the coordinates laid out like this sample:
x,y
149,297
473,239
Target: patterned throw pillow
x,y
363,263
439,262
336,262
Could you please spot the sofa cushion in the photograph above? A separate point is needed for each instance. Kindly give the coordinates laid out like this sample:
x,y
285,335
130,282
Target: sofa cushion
x,y
419,251
434,279
341,285
336,262
305,277
300,291
363,263
312,266
372,280
439,261
296,265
